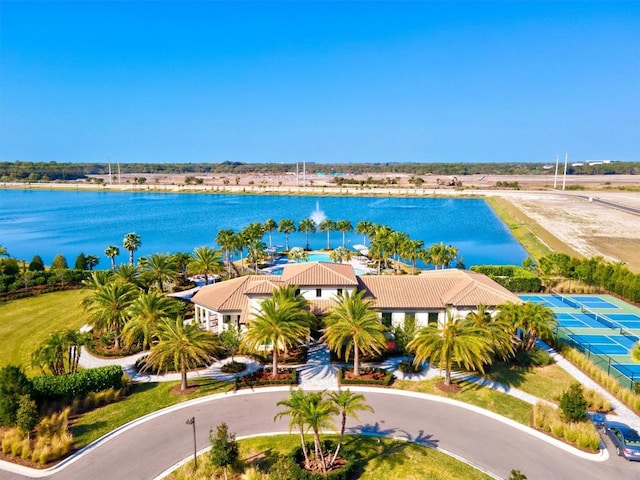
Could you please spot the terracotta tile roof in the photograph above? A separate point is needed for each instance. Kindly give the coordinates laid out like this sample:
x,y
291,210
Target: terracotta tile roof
x,y
431,290
321,274
435,289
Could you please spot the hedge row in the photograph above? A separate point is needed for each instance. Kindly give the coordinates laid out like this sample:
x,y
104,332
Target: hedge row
x,y
382,377
256,379
49,388
511,277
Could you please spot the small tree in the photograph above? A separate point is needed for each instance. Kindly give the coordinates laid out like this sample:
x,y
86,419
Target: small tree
x,y
573,404
231,339
27,416
517,475
36,265
81,262
13,384
59,262
224,448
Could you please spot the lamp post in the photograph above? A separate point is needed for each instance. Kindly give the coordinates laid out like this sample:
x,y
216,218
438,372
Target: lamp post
x,y
192,421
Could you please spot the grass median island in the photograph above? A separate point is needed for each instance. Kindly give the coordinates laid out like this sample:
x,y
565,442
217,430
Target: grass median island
x,y
380,459
26,322
545,382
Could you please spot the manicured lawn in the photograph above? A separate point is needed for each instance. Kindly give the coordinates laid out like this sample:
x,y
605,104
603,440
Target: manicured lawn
x,y
544,382
26,322
145,398
497,402
387,459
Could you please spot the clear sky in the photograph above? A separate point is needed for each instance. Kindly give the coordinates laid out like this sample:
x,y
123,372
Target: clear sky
x,y
319,81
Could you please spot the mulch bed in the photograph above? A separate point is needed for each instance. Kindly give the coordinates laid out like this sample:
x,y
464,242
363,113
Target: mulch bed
x,y
266,375
364,375
453,388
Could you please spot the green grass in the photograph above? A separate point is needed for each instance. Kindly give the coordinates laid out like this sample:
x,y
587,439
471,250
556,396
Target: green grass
x,y
145,398
546,382
26,322
474,394
388,459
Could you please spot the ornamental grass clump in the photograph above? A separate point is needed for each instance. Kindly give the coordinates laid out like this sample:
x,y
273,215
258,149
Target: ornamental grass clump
x,y
550,419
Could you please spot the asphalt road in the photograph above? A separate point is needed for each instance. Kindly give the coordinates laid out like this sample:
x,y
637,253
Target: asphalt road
x,y
607,203
149,448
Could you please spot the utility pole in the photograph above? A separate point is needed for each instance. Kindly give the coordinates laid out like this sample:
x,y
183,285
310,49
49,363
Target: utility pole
x,y
555,178
564,177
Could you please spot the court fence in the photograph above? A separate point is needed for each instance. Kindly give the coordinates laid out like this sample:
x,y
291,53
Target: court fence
x,y
624,376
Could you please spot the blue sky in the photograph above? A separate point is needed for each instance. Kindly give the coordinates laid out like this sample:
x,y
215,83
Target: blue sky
x,y
319,81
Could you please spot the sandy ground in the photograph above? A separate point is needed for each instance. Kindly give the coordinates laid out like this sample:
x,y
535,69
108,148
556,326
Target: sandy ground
x,y
589,228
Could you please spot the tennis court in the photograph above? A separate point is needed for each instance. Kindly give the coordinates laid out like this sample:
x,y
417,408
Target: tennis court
x,y
602,327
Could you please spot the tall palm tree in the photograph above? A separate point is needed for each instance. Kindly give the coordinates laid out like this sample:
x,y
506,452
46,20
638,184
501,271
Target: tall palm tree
x,y
269,226
181,345
344,226
327,225
412,251
395,242
226,239
280,321
182,260
441,255
340,254
131,242
205,260
353,325
307,226
145,314
252,235
499,332
348,405
294,410
458,342
108,307
98,279
317,414
287,227
160,269
539,322
365,228
379,248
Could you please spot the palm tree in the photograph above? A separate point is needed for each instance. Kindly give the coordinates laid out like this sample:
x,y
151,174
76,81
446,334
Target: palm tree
x,y
181,345
160,269
131,242
395,243
128,274
496,329
412,251
287,227
3,251
269,226
317,413
440,255
459,342
379,248
538,322
348,404
145,313
108,307
59,352
205,260
307,226
365,228
353,325
328,226
297,254
252,238
344,226
340,255
294,409
226,239
280,321
91,261
98,278
182,260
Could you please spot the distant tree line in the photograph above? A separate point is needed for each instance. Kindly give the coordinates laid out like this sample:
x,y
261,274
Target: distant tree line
x,y
53,171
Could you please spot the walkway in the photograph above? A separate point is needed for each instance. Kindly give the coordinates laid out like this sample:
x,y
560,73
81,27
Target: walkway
x,y
318,373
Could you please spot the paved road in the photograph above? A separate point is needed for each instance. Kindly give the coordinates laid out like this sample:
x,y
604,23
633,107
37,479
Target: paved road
x,y
607,203
151,447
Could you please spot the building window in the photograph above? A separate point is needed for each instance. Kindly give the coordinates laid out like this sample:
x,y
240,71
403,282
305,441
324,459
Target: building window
x,y
386,319
318,292
339,292
433,319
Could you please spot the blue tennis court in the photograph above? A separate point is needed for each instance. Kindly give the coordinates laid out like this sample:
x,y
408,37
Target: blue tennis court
x,y
607,344
628,369
547,301
592,301
577,320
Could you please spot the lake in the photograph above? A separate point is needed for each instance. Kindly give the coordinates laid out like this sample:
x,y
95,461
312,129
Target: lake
x,y
47,222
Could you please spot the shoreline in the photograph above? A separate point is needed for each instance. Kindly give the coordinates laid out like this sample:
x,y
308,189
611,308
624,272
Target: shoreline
x,y
540,220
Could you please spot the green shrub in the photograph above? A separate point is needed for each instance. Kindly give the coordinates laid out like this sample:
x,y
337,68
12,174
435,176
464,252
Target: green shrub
x,y
258,378
65,388
233,367
381,377
573,404
409,367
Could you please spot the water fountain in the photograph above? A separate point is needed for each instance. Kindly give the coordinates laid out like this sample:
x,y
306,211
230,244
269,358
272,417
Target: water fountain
x,y
318,216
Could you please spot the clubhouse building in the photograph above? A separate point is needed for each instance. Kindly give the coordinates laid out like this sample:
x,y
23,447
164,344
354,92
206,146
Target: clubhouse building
x,y
430,296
